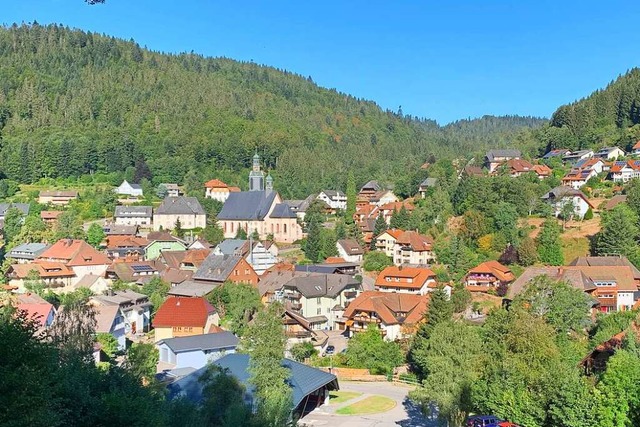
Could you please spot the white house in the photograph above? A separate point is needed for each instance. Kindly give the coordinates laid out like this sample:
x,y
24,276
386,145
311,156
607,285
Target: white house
x,y
261,256
126,189
335,199
560,196
134,215
576,156
197,350
609,153
111,320
350,250
636,149
135,307
625,171
187,210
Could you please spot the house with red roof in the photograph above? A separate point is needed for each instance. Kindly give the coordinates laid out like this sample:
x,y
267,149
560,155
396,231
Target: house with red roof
x,y
218,190
622,171
77,255
396,314
412,280
52,274
413,248
37,309
386,242
183,317
488,276
635,150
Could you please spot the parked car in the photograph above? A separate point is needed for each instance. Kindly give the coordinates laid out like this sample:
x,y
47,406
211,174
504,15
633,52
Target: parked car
x,y
483,421
504,424
330,350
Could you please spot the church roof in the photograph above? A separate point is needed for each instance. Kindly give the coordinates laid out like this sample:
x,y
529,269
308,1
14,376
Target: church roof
x,y
282,210
247,205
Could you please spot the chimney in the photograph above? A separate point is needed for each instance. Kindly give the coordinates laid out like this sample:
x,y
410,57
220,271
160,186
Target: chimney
x,y
178,302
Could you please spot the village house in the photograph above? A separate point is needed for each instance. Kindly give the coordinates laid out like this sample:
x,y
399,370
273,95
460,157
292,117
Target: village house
x,y
334,267
131,190
27,252
556,153
609,153
427,185
300,207
111,320
50,217
189,260
412,280
58,198
636,149
593,163
412,248
349,250
321,298
259,210
141,216
386,242
396,314
78,255
129,247
181,317
575,156
111,229
192,289
369,189
516,167
135,307
383,197
52,274
96,284
495,158
260,255
196,351
310,387
577,178
138,272
218,269
388,209
488,276
187,210
218,190
560,196
36,308
22,207
298,329
335,199
162,241
173,190
625,171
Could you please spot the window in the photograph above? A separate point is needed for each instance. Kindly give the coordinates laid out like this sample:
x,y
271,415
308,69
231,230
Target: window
x,y
285,228
246,271
318,300
236,273
319,310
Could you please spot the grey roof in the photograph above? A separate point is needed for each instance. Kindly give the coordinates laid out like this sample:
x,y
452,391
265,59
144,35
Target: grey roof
x,y
333,193
429,182
247,205
563,191
30,250
115,229
577,154
300,205
122,297
351,246
87,281
304,379
320,285
604,150
282,210
180,205
189,288
508,153
134,212
574,277
216,268
230,246
371,185
218,340
325,268
23,207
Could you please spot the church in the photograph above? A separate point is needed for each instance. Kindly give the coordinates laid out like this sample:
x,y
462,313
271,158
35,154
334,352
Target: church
x,y
260,209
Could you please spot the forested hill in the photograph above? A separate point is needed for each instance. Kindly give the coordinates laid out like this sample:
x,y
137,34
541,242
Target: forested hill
x,y
606,117
73,103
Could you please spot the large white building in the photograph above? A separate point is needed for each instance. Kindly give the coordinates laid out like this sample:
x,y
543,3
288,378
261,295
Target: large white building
x,y
334,199
186,209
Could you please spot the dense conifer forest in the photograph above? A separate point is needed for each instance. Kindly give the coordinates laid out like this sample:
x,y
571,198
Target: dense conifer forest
x,y
74,103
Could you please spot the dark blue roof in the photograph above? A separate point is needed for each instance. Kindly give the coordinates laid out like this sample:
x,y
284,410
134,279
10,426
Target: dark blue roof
x,y
282,210
247,205
303,380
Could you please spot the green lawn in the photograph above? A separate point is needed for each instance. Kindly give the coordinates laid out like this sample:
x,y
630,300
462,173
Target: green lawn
x,y
574,247
342,396
370,405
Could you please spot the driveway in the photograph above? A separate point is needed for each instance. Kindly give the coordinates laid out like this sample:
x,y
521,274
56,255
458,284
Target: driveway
x,y
337,340
404,414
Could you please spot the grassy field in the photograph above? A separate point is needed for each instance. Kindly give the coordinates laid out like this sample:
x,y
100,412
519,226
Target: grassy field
x,y
342,396
370,405
573,247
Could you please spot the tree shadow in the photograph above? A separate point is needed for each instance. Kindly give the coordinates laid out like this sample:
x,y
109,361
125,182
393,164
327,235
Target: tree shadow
x,y
416,418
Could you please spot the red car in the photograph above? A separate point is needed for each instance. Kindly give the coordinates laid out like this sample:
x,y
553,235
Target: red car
x,y
504,424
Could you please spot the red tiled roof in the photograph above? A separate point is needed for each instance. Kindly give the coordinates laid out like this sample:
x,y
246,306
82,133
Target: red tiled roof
x,y
636,146
75,253
501,272
542,170
334,260
389,306
417,241
50,214
126,242
178,311
215,183
519,165
35,307
44,269
394,232
397,206
418,276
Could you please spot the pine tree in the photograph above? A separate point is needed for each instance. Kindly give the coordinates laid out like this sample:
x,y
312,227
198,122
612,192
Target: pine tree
x,y
439,309
313,244
177,229
241,234
549,247
619,233
379,228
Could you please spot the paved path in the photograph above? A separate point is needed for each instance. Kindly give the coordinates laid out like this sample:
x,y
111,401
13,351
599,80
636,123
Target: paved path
x,y
404,414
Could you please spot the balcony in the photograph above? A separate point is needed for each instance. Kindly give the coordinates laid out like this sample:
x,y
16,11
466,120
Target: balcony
x,y
298,334
296,306
350,294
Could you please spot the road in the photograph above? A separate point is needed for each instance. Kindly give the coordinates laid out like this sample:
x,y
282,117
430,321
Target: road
x,y
404,414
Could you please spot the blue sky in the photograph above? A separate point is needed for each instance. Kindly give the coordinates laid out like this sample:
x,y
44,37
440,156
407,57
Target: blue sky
x,y
444,60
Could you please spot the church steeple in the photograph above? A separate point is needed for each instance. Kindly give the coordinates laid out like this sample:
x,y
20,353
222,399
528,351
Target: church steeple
x,y
256,176
269,186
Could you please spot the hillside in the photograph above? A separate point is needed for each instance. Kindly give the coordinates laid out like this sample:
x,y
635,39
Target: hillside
x,y
74,103
606,117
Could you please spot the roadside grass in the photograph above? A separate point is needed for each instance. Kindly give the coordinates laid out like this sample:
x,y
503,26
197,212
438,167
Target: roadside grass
x,y
342,396
370,405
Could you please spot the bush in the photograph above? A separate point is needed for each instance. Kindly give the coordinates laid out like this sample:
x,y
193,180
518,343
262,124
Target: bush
x,y
376,261
302,351
588,215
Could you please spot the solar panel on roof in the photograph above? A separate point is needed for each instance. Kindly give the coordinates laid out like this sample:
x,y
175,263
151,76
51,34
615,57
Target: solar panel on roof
x,y
141,268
